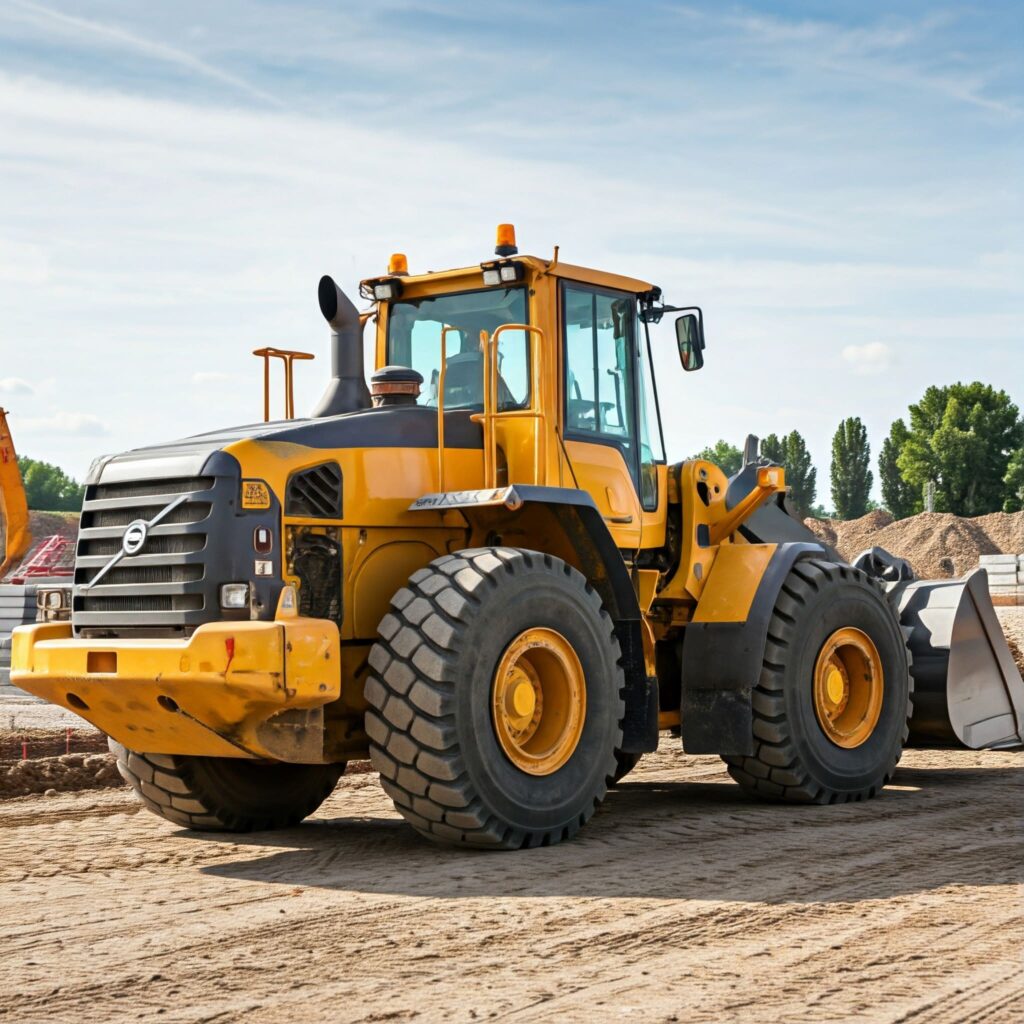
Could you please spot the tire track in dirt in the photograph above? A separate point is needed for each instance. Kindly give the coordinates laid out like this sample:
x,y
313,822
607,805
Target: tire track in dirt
x,y
681,897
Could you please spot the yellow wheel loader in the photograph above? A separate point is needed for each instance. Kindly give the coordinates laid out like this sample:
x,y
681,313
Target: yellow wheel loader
x,y
481,573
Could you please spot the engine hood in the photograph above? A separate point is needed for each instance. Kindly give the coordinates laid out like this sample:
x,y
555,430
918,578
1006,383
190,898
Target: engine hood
x,y
388,427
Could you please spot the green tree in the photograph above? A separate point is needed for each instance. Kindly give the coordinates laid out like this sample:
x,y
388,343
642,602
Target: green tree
x,y
1014,481
899,497
48,488
727,457
801,476
961,437
773,449
851,469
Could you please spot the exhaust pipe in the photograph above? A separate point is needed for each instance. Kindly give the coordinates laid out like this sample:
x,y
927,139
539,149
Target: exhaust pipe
x,y
347,391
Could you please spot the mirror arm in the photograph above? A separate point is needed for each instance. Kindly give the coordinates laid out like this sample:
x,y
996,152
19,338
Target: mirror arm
x,y
652,314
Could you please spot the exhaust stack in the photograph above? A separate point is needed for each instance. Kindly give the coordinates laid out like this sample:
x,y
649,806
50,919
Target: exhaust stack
x,y
347,391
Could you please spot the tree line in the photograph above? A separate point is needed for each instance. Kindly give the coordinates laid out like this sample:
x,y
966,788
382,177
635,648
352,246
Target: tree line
x,y
963,448
48,488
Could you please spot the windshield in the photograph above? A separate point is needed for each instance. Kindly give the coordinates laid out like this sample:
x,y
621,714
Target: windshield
x,y
414,339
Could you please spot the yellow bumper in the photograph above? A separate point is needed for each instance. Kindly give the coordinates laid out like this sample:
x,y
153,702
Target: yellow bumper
x,y
234,689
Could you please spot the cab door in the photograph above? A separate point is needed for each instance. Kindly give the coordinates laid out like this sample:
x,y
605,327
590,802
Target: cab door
x,y
600,403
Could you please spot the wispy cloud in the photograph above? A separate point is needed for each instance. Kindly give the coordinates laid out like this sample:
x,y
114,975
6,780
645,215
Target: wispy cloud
x,y
68,424
15,386
869,359
86,31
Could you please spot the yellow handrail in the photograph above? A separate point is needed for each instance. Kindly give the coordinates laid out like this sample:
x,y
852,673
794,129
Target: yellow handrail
x,y
537,408
440,405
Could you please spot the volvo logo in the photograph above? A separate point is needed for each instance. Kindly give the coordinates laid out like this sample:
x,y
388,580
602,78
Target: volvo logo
x,y
135,537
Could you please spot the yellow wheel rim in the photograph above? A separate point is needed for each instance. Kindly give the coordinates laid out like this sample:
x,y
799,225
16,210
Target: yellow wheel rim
x,y
539,701
848,687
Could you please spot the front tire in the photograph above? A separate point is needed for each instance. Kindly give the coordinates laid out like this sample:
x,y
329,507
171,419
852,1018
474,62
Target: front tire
x,y
468,756
225,794
832,704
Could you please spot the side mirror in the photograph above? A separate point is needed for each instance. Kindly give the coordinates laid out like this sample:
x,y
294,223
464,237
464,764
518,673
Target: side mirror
x,y
690,339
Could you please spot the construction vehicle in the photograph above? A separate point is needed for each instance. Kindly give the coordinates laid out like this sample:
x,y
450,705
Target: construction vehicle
x,y
485,576
13,502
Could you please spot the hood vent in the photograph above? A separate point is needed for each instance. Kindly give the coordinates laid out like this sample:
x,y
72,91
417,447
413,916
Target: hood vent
x,y
315,493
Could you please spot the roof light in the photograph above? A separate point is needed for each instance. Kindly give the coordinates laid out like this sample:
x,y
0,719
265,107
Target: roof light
x,y
509,272
492,276
398,264
385,290
506,241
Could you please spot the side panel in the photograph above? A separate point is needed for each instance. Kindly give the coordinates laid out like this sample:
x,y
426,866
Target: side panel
x,y
724,645
601,471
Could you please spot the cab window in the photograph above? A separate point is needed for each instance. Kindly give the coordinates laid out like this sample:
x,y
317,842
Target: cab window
x,y
414,339
599,368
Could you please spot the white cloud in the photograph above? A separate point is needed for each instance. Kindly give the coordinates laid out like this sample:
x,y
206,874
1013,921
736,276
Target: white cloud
x,y
868,359
210,377
16,386
68,424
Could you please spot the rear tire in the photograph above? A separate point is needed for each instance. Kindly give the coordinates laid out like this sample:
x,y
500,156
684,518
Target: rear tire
x,y
795,759
225,794
433,725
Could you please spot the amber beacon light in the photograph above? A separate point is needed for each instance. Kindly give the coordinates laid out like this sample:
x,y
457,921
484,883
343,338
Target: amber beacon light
x,y
505,244
398,264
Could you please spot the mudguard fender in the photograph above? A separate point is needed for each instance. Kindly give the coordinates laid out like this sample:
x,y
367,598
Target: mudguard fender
x,y
723,646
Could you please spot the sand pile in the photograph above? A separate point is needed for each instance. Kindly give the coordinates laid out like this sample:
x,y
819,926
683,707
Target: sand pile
x,y
936,544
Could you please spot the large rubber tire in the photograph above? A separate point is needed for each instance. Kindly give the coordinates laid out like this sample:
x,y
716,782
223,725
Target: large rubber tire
x,y
795,761
432,737
624,764
225,794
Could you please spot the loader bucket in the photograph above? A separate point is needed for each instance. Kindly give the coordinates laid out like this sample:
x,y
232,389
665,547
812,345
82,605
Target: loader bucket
x,y
967,690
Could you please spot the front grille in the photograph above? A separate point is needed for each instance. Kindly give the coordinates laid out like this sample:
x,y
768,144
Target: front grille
x,y
167,586
146,488
154,546
144,603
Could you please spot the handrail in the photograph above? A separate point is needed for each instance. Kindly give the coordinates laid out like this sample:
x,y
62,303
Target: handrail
x,y
535,411
288,357
440,405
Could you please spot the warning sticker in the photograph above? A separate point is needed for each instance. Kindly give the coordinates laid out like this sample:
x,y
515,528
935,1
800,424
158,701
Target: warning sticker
x,y
255,494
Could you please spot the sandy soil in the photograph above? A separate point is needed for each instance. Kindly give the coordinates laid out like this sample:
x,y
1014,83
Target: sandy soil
x,y
681,900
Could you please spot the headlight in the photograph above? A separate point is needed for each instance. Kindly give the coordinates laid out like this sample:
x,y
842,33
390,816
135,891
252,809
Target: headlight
x,y
492,277
234,595
54,599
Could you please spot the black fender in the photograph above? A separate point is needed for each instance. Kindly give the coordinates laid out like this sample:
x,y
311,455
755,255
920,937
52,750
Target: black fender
x,y
566,523
721,664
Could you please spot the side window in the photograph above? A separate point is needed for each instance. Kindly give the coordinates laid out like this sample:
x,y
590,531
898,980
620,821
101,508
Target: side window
x,y
599,368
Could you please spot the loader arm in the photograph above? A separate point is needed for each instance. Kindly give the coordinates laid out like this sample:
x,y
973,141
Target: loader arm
x,y
13,502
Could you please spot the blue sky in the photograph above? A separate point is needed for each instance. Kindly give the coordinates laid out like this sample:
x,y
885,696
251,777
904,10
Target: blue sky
x,y
837,184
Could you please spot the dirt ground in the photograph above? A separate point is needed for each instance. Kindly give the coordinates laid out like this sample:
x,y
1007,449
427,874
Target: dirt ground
x,y
682,900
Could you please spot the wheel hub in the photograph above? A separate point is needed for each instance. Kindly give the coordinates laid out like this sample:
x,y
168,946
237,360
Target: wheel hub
x,y
848,687
539,701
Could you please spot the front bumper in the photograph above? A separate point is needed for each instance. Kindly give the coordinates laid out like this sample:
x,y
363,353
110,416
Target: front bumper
x,y
233,689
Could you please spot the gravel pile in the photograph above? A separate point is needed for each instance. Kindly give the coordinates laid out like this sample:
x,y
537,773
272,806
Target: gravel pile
x,y
1012,621
938,545
65,774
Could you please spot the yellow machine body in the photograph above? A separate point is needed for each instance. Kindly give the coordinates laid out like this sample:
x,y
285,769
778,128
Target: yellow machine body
x,y
292,688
